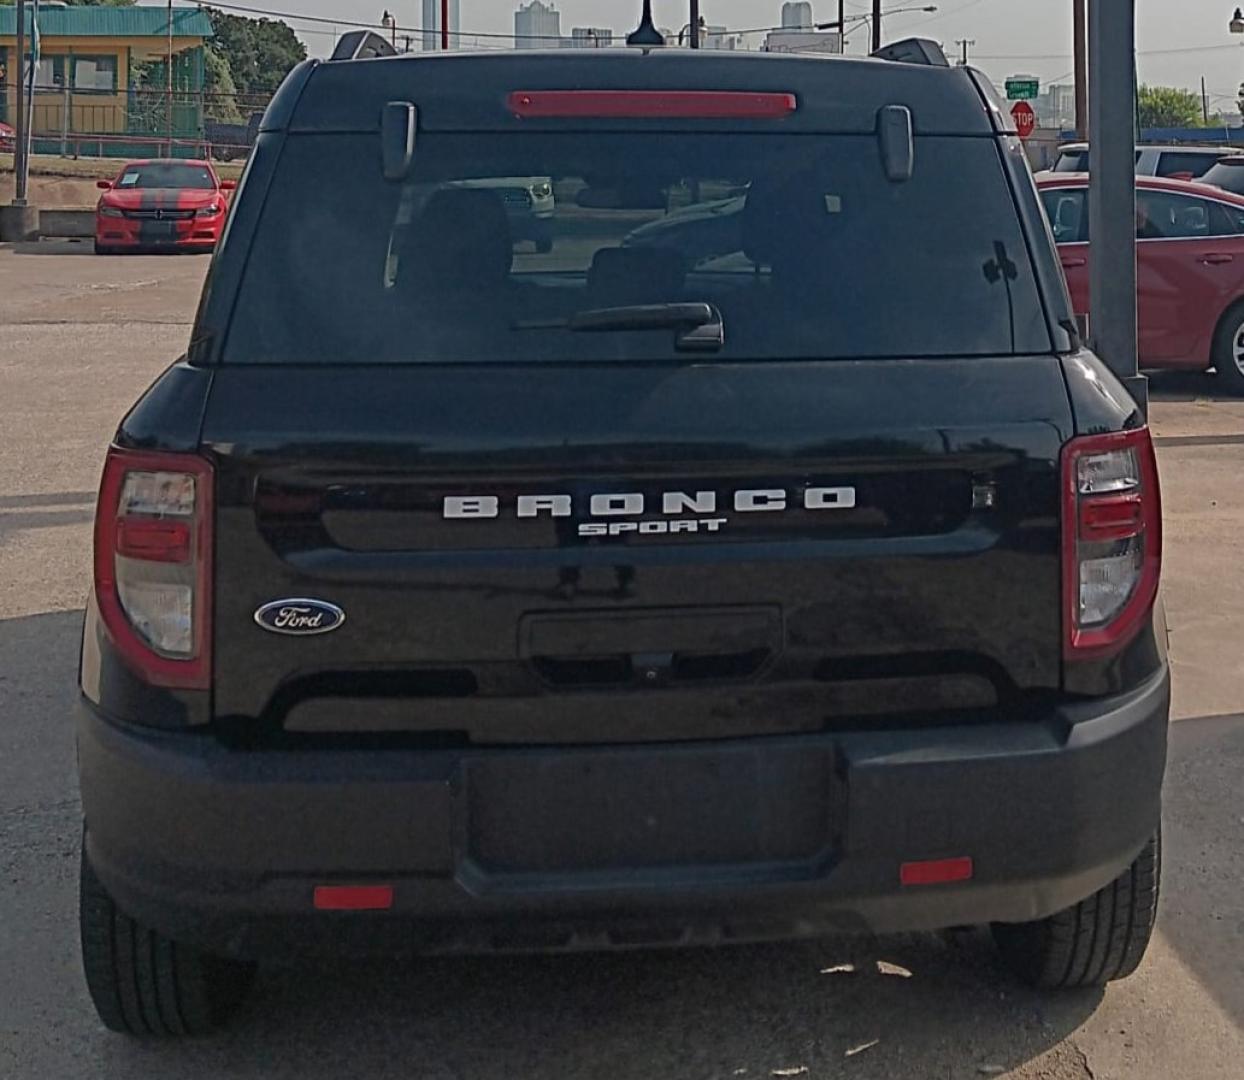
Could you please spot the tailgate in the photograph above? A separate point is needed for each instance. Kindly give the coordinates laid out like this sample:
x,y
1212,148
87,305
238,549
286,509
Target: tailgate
x,y
620,553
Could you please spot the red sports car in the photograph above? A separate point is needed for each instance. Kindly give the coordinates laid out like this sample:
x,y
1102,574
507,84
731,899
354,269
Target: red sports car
x,y
162,205
1189,269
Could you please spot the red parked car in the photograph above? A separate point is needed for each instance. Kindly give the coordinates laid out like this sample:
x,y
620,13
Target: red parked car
x,y
1189,269
162,204
8,138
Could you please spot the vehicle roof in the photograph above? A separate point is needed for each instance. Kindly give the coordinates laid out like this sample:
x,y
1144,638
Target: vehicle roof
x,y
1149,183
468,91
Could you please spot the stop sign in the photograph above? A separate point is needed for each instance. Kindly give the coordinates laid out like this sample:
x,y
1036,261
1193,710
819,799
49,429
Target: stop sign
x,y
1025,118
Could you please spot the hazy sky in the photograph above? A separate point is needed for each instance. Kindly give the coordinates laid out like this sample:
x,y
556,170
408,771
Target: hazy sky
x,y
1179,40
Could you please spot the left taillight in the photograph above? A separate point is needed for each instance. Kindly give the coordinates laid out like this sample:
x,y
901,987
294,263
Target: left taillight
x,y
153,564
1112,540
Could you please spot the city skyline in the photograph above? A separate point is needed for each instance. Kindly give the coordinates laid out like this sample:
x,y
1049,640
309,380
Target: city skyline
x,y
1177,44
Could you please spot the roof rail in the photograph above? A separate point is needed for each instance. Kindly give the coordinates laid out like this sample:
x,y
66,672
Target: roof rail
x,y
914,51
362,45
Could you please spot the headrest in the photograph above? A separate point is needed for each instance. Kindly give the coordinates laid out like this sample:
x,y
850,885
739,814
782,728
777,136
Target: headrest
x,y
461,238
636,275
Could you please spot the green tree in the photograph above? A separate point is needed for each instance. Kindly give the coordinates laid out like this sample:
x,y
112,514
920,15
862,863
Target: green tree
x,y
221,104
1168,106
259,52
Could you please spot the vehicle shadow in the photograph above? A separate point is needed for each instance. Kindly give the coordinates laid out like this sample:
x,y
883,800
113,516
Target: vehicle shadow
x,y
52,247
1187,386
755,1011
1203,906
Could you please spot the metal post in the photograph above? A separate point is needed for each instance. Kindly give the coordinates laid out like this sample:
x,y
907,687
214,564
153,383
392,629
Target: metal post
x,y
444,25
876,25
1112,191
169,80
65,109
695,24
21,163
1080,46
842,27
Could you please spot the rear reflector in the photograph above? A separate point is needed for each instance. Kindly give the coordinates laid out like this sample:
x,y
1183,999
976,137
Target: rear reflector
x,y
936,871
353,897
696,104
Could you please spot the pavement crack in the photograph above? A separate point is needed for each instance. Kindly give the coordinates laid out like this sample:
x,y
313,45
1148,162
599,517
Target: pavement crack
x,y
1084,1061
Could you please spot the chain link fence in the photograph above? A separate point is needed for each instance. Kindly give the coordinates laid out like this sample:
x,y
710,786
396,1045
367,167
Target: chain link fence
x,y
143,121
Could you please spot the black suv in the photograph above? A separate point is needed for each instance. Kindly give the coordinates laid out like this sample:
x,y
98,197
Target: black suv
x,y
763,556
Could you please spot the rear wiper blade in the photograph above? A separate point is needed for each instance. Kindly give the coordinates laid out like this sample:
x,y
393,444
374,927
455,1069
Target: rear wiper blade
x,y
699,324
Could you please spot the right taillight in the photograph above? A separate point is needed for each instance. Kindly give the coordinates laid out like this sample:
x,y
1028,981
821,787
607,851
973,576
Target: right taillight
x,y
1112,540
153,558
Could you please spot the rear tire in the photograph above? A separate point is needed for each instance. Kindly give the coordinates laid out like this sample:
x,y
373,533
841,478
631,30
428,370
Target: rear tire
x,y
1096,941
142,983
1229,350
104,249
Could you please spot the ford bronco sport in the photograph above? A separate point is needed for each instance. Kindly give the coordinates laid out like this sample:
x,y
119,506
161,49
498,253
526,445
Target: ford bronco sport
x,y
762,556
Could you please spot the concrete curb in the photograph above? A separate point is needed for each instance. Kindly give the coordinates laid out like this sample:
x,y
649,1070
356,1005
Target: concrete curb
x,y
67,223
18,223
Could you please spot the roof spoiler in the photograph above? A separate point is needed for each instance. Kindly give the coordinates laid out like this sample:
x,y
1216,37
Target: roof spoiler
x,y
914,51
362,45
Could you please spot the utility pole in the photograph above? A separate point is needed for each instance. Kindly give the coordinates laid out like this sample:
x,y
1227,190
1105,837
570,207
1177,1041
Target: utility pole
x,y
1204,102
21,164
1112,191
169,80
1080,46
695,24
876,25
965,44
19,221
444,25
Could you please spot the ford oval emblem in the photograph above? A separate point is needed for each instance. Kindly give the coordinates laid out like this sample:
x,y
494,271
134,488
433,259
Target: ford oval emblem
x,y
300,616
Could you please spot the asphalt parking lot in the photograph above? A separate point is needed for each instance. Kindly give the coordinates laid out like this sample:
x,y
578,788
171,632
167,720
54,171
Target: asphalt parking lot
x,y
81,336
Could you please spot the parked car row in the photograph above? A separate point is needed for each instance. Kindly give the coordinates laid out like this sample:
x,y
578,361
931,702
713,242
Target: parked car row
x,y
1189,253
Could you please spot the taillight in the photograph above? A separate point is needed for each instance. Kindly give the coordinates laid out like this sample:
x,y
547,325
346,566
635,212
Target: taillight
x,y
153,564
1112,540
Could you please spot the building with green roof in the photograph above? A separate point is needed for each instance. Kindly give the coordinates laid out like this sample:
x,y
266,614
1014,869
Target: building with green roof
x,y
103,72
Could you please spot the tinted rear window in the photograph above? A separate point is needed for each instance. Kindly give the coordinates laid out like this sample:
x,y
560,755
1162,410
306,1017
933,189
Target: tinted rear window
x,y
1229,176
800,241
1177,163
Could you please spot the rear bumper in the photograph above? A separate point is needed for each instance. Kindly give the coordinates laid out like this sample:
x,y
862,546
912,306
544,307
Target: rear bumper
x,y
607,846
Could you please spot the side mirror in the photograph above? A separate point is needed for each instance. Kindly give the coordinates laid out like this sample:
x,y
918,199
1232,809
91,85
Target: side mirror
x,y
228,185
104,185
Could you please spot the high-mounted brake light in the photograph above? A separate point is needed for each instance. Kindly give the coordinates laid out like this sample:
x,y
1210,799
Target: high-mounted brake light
x,y
1112,540
153,561
671,104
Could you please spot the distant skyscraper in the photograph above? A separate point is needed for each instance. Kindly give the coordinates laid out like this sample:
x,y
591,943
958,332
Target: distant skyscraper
x,y
797,16
589,37
537,26
431,24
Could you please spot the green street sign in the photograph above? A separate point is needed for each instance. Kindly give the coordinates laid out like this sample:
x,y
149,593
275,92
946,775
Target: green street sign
x,y
1022,89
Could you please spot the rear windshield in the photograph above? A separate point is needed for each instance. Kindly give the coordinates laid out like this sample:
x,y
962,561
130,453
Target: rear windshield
x,y
160,174
495,244
1228,175
1072,161
1177,163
